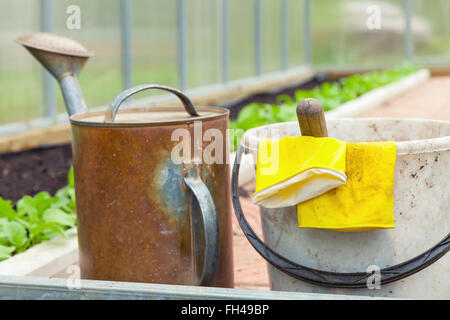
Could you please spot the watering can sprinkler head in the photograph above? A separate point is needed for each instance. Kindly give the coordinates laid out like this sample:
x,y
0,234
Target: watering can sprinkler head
x,y
63,58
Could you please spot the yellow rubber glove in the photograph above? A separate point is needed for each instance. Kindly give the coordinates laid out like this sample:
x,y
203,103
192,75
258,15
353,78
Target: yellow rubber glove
x,y
366,201
294,169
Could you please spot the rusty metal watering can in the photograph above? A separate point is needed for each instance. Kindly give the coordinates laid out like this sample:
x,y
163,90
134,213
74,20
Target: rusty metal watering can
x,y
142,216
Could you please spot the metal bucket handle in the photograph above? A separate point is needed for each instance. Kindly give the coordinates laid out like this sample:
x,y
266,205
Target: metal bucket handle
x,y
113,107
192,180
326,278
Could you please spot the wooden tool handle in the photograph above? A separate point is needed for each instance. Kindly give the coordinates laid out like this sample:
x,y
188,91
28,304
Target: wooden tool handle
x,y
311,118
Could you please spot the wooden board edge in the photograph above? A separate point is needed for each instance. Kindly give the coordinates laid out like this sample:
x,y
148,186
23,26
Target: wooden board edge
x,y
53,135
340,73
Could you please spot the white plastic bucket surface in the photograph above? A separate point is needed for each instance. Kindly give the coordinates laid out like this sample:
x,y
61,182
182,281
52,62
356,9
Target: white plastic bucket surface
x,y
421,212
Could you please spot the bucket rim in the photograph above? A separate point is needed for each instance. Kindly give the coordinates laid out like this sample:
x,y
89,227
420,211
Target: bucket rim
x,y
417,146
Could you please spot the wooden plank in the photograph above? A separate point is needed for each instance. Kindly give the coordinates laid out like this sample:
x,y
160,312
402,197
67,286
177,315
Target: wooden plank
x,y
13,287
244,88
340,73
57,134
337,74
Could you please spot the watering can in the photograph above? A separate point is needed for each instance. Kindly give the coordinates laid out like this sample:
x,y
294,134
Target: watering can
x,y
144,214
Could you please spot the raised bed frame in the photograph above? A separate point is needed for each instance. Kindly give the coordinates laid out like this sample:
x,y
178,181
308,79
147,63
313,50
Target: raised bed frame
x,y
14,287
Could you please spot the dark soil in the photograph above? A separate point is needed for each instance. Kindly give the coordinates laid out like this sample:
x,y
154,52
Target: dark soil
x,y
31,171
45,169
269,97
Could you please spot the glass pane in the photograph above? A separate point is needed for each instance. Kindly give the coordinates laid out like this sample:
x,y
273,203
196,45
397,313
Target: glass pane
x,y
295,32
341,35
271,34
431,30
241,15
203,42
99,32
20,75
153,42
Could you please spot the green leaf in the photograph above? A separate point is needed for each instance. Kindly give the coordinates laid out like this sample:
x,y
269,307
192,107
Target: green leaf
x,y
48,235
42,227
6,251
43,231
255,114
284,99
72,204
7,210
70,178
3,236
67,192
42,201
285,113
3,239
59,216
63,203
15,233
235,135
26,206
302,94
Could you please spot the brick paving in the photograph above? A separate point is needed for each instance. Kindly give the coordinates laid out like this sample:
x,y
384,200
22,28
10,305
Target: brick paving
x,y
250,269
430,101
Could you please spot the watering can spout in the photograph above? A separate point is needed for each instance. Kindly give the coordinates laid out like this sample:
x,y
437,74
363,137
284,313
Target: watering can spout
x,y
63,58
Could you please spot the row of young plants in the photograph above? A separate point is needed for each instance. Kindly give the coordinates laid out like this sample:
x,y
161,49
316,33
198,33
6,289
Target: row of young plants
x,y
330,94
36,219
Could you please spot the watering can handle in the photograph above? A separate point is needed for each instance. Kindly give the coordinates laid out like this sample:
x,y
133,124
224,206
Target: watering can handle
x,y
113,107
210,223
326,278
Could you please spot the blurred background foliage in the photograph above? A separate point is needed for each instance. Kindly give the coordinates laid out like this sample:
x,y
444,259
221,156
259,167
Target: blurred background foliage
x,y
340,39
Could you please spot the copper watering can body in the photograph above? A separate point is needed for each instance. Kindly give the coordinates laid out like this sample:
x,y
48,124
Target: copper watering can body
x,y
141,216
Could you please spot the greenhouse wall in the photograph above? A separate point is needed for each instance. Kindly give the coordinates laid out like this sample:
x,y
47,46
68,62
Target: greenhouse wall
x,y
194,43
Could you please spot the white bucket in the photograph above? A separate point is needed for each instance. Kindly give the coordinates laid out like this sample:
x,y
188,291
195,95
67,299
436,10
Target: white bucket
x,y
343,263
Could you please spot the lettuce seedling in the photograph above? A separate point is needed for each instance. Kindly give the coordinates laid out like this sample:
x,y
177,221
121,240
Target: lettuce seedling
x,y
36,219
